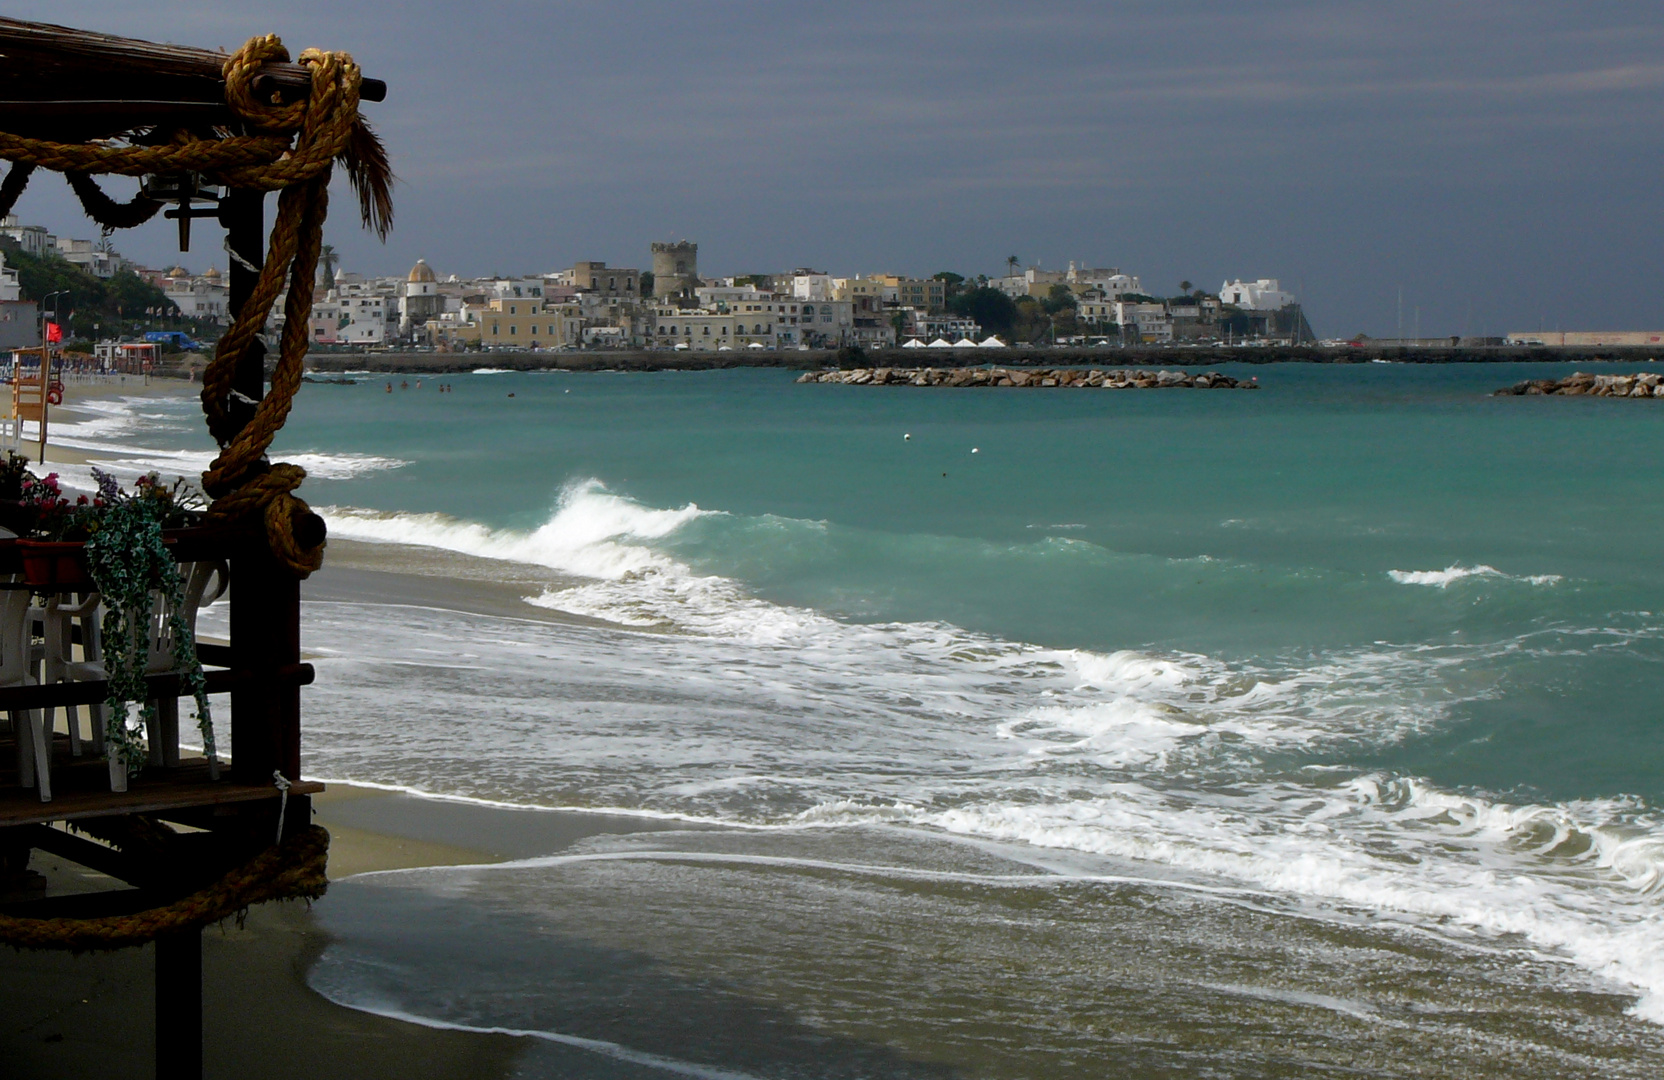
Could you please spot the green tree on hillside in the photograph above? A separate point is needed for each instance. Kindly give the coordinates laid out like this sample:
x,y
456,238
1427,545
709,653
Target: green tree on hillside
x,y
89,306
952,284
1058,297
992,309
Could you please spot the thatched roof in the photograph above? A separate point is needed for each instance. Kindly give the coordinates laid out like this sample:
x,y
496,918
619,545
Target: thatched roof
x,y
64,83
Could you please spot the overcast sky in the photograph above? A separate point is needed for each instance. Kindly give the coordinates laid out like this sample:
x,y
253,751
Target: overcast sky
x,y
1498,163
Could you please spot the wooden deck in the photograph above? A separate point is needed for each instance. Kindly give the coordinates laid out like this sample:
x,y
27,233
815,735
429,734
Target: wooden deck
x,y
81,789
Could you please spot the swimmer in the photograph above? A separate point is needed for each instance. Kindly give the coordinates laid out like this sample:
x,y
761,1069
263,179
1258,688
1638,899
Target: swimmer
x,y
389,388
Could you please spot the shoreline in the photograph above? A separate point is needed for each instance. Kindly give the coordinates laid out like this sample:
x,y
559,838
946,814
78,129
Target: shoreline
x,y
593,360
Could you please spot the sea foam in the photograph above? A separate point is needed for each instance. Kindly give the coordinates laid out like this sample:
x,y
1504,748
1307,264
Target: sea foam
x,y
593,533
1451,575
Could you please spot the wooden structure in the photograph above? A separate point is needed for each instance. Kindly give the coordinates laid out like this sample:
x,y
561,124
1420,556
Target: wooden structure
x,y
29,404
60,87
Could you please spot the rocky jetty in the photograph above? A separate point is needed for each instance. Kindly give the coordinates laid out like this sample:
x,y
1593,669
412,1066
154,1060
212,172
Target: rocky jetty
x,y
1646,384
1073,378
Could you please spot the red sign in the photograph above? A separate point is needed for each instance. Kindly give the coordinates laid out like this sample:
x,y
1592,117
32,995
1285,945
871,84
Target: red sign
x,y
54,333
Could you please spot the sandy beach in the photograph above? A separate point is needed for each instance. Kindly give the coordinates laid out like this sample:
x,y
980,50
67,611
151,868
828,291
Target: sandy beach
x,y
77,1016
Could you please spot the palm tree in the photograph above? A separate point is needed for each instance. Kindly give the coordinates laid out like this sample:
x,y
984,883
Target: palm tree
x,y
1011,262
327,262
1185,287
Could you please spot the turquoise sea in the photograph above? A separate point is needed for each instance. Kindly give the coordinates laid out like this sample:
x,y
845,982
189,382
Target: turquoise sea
x,y
1305,731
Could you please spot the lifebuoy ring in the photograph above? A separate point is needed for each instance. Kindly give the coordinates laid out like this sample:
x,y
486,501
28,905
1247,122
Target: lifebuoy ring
x,y
55,396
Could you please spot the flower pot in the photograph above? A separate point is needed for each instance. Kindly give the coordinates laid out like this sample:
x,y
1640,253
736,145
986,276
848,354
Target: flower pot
x,y
55,564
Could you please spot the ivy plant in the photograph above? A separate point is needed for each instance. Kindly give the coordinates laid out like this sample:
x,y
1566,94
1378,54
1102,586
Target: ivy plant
x,y
130,565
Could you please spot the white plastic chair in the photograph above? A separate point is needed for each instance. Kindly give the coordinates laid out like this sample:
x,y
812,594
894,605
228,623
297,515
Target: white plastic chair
x,y
61,616
202,583
17,668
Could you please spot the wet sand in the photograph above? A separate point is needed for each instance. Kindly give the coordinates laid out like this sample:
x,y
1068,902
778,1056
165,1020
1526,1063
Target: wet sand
x,y
67,1016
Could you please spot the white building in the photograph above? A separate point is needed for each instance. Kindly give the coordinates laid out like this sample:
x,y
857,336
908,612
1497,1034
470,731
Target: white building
x,y
1107,279
204,297
1262,295
812,286
10,290
365,319
33,239
1031,282
922,324
88,255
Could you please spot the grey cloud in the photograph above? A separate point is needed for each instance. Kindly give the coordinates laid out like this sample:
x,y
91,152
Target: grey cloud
x,y
1468,152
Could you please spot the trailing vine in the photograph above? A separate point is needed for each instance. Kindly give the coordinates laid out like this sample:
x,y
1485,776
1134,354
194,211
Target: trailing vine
x,y
129,561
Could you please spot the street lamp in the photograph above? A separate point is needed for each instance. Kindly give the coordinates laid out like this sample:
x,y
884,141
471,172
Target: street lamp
x,y
43,300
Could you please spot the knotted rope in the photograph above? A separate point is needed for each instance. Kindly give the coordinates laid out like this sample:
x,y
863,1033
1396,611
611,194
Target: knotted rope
x,y
292,870
290,148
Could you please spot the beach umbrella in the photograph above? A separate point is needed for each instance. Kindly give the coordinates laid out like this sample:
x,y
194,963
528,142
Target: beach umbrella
x,y
964,343
940,343
991,342
912,343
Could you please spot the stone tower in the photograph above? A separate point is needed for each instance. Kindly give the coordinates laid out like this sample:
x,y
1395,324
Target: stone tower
x,y
675,268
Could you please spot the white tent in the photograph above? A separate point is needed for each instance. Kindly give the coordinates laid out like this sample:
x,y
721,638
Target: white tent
x,y
940,343
992,342
912,343
755,345
964,343
724,348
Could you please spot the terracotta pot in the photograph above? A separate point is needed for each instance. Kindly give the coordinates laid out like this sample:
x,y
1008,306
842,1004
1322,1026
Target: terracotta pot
x,y
59,564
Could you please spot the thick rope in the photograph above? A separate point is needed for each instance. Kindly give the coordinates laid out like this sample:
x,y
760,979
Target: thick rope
x,y
17,178
292,870
105,210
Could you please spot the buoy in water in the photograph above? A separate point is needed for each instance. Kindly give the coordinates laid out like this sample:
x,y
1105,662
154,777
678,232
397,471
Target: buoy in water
x,y
907,438
974,450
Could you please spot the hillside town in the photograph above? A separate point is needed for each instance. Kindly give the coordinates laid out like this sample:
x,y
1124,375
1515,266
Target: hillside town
x,y
668,304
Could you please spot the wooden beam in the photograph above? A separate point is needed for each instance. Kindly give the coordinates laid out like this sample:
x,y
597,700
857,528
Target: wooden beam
x,y
78,849
185,788
96,691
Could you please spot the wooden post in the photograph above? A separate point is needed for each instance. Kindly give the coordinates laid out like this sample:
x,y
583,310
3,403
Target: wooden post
x,y
45,382
265,636
243,213
179,1005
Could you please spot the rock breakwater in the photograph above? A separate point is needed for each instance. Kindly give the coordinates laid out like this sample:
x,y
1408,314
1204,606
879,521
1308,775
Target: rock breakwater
x,y
1646,384
1073,378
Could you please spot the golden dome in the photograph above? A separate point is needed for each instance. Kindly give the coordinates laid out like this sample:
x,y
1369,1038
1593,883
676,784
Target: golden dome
x,y
212,273
422,271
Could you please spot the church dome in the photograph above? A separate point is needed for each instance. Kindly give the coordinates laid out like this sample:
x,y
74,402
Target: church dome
x,y
422,271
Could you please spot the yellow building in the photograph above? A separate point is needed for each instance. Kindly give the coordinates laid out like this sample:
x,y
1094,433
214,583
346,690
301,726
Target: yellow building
x,y
511,322
927,293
